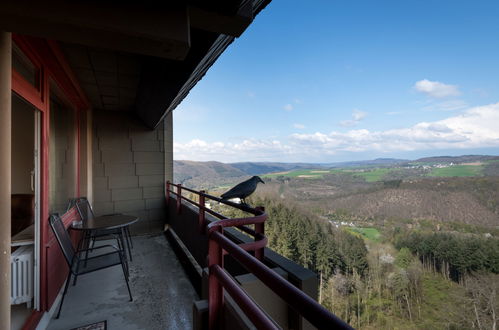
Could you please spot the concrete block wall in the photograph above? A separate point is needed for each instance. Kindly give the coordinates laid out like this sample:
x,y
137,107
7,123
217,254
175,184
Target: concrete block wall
x,y
129,169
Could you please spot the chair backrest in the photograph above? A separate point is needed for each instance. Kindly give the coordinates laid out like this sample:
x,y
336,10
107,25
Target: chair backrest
x,y
84,208
62,236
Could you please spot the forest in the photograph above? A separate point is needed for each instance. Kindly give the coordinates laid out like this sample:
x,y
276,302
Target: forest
x,y
408,280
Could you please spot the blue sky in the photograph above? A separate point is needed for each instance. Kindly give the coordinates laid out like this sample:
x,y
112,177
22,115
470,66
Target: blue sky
x,y
327,81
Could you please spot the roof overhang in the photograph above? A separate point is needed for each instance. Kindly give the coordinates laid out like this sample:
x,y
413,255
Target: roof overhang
x,y
143,57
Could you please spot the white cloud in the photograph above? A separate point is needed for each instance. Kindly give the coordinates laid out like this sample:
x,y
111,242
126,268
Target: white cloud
x,y
288,107
248,149
473,128
299,126
436,89
357,116
449,105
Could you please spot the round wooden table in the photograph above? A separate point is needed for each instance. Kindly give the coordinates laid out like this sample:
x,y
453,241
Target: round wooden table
x,y
118,222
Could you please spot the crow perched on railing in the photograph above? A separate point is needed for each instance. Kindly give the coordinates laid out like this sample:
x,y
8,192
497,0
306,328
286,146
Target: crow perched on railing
x,y
243,189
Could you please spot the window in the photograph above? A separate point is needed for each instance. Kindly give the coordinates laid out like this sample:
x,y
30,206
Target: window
x,y
63,156
25,67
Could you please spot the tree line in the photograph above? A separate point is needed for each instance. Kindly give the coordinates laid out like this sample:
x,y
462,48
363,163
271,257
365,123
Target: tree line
x,y
314,245
453,255
389,286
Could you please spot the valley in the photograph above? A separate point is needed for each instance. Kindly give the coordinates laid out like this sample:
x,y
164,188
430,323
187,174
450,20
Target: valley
x,y
392,241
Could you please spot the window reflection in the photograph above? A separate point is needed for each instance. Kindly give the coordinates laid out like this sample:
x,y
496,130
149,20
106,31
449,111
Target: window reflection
x,y
63,156
24,66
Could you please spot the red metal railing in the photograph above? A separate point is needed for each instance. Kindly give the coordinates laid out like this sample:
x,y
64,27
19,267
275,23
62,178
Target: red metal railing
x,y
219,279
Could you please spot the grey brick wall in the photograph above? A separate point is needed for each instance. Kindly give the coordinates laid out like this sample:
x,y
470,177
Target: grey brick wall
x,y
129,169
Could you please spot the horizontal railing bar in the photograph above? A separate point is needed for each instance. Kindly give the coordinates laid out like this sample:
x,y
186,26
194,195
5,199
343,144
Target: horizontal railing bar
x,y
233,222
220,216
241,207
250,308
215,214
252,246
248,230
299,301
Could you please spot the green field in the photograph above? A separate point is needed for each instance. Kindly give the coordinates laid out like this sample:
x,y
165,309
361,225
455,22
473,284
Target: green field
x,y
370,175
374,175
370,233
457,171
306,174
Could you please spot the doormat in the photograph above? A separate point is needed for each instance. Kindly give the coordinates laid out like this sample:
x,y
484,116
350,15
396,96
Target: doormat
x,y
102,325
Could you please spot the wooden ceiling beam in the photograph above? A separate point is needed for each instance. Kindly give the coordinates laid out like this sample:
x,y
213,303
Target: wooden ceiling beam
x,y
160,32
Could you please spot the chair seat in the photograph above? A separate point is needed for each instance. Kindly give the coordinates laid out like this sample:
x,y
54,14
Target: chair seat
x,y
91,264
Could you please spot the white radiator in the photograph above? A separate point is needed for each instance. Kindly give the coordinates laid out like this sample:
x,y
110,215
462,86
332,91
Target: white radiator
x,y
21,263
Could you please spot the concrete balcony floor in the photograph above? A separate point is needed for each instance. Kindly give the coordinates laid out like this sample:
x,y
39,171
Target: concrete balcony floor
x,y
162,293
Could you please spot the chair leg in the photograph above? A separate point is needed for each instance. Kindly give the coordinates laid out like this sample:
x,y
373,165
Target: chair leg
x,y
80,243
64,293
87,247
86,256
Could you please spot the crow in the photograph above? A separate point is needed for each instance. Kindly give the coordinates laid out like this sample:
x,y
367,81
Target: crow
x,y
243,189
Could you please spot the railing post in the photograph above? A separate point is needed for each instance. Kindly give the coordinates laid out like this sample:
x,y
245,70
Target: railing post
x,y
167,192
215,289
179,198
260,229
202,214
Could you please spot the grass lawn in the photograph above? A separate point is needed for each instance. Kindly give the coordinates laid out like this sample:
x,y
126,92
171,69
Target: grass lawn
x,y
457,171
370,233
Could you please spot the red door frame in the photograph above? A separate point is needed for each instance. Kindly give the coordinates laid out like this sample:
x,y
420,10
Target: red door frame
x,y
52,67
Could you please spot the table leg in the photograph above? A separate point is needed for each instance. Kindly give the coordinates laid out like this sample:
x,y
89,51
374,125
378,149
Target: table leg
x,y
129,236
123,236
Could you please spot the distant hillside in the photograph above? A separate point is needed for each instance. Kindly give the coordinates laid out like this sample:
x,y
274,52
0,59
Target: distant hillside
x,y
205,175
251,168
209,175
374,162
424,203
456,159
470,200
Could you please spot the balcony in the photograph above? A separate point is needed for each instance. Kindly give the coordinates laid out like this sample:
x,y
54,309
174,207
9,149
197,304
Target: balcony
x,y
162,293
207,271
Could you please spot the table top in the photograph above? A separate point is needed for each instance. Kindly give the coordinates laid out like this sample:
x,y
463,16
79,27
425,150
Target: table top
x,y
105,222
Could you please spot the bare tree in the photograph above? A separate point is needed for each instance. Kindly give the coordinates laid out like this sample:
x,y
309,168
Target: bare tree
x,y
483,290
